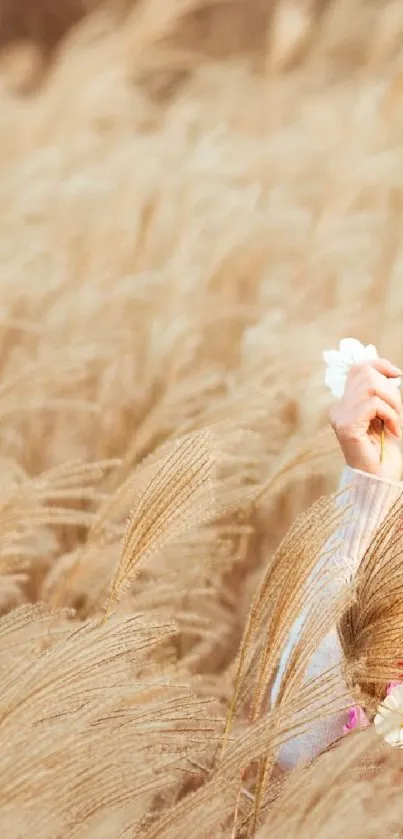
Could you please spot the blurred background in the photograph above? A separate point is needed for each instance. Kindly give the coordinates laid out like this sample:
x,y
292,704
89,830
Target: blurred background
x,y
196,199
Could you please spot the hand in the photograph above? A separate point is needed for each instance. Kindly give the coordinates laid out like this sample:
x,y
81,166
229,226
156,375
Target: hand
x,y
370,398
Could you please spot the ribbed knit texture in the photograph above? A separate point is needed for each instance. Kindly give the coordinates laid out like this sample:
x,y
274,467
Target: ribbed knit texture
x,y
369,500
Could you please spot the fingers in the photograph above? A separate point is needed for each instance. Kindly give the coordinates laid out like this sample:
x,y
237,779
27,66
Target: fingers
x,y
375,408
370,403
349,423
368,382
369,395
382,365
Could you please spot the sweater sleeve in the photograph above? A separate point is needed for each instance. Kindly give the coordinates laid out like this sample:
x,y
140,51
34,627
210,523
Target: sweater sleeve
x,y
369,499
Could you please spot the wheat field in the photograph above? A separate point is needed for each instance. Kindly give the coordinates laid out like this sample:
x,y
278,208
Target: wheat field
x,y
196,199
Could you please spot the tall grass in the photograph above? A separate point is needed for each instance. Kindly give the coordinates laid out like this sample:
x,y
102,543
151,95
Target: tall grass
x,y
195,201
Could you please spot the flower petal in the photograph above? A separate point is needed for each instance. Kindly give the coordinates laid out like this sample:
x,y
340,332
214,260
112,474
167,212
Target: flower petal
x,y
332,357
389,718
371,352
356,719
397,694
336,381
352,351
393,737
390,703
379,723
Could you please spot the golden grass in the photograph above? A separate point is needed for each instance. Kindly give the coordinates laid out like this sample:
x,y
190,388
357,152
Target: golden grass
x,y
195,202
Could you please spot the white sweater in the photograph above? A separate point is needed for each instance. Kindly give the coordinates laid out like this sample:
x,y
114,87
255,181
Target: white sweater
x,y
370,499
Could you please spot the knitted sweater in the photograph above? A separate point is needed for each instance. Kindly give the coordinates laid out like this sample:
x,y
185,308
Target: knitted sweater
x,y
370,499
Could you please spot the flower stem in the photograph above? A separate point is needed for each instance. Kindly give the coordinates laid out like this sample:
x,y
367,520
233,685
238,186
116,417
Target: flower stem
x,y
382,441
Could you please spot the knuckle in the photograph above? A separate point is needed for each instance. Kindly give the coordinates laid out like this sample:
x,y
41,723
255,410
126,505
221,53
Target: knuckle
x,y
371,381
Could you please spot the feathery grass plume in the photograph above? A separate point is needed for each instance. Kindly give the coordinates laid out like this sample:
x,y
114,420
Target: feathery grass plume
x,y
211,808
104,738
284,594
233,476
354,789
39,500
371,630
33,514
45,628
186,488
104,536
289,584
292,587
181,494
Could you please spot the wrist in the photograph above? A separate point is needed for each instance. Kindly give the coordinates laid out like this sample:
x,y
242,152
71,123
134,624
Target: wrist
x,y
391,472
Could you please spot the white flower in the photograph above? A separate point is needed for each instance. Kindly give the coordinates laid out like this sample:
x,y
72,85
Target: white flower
x,y
339,362
389,718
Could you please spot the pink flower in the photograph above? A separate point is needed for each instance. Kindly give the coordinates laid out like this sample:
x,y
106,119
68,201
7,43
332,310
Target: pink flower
x,y
356,719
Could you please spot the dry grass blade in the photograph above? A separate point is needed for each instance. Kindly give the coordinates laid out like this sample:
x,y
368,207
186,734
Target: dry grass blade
x,y
278,602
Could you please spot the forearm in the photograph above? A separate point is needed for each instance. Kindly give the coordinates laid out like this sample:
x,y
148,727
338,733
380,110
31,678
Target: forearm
x,y
367,500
